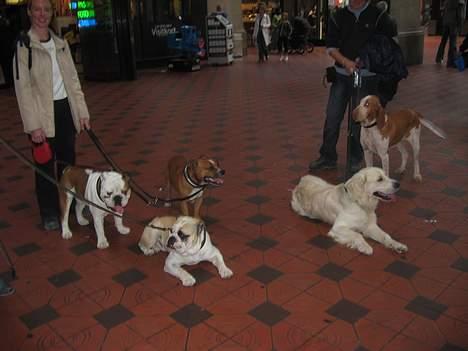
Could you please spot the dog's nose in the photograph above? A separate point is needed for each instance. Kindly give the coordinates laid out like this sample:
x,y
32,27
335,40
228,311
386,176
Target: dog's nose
x,y
118,200
222,172
396,185
171,241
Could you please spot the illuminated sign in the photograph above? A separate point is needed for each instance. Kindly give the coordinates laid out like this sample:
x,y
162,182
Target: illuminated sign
x,y
84,13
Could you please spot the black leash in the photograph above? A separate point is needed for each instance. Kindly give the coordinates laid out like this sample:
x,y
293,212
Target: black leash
x,y
141,193
26,161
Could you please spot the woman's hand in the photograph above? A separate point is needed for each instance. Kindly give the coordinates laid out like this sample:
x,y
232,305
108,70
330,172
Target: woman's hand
x,y
38,136
84,124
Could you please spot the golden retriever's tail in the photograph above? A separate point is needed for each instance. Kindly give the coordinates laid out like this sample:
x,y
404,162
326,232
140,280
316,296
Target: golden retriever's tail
x,y
434,129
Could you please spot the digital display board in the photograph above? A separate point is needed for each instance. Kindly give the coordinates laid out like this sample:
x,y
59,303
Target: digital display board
x,y
85,13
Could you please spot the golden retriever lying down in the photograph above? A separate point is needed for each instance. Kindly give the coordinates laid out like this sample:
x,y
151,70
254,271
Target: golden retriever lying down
x,y
349,207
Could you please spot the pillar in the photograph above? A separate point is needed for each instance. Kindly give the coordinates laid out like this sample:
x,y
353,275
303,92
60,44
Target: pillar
x,y
410,32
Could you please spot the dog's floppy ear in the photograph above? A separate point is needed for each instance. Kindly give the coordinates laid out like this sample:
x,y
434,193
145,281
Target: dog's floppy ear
x,y
378,112
355,185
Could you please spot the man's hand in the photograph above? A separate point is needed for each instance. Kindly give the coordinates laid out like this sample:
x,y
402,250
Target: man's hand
x,y
349,65
38,136
84,124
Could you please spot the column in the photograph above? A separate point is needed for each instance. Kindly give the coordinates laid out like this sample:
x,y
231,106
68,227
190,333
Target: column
x,y
410,32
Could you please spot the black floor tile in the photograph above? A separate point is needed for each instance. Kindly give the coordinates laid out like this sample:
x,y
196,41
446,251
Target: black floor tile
x,y
423,212
83,248
201,275
333,272
262,243
402,269
461,264
322,242
113,316
444,236
259,219
426,308
64,278
265,274
269,313
191,315
258,199
39,316
26,249
348,311
257,183
129,277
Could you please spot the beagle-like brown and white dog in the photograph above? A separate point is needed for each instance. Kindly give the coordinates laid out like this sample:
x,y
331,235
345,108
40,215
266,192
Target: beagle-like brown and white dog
x,y
381,131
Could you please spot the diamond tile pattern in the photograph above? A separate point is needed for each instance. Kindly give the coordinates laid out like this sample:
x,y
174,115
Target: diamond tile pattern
x,y
113,316
64,278
262,243
129,277
348,311
426,308
293,287
402,269
333,272
191,315
269,313
39,316
265,274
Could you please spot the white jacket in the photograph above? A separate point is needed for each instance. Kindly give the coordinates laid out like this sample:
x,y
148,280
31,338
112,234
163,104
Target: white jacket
x,y
266,23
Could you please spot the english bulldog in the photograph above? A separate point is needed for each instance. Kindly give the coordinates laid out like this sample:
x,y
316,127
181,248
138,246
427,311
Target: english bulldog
x,y
109,190
190,177
188,243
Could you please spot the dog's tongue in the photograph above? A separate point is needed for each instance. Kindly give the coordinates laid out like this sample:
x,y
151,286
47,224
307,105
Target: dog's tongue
x,y
119,209
392,197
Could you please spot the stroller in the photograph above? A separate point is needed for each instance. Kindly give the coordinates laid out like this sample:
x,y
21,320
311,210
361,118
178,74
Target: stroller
x,y
300,36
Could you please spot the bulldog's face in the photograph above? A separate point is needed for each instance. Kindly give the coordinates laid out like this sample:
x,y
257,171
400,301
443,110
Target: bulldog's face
x,y
115,191
208,171
186,236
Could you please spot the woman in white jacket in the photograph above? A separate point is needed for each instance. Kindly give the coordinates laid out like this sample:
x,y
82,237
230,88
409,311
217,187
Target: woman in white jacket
x,y
261,32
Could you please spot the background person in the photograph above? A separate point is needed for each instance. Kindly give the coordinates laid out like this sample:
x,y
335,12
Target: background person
x,y
261,32
51,102
284,32
349,29
451,22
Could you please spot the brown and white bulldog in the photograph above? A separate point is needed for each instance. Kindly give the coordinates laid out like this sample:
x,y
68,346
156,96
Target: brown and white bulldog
x,y
187,241
109,190
187,177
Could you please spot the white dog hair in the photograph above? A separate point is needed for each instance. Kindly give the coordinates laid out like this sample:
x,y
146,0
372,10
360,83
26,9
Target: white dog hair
x,y
187,241
349,207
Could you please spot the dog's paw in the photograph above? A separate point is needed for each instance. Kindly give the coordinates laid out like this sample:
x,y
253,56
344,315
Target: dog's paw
x,y
418,178
188,281
399,247
146,251
67,235
400,170
225,273
104,244
124,230
82,221
364,248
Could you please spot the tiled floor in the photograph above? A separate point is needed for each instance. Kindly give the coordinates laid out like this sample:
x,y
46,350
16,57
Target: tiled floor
x,y
293,288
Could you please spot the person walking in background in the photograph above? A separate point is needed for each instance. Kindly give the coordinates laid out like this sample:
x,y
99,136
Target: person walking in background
x,y
349,30
275,22
451,23
51,103
284,32
261,32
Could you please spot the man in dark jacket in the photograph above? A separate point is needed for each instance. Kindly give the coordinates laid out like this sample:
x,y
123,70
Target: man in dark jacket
x,y
349,30
451,22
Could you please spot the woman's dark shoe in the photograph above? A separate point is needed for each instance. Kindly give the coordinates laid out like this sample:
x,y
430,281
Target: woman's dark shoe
x,y
51,223
5,289
321,163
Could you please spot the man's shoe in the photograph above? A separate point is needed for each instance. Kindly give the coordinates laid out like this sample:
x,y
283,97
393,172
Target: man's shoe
x,y
322,163
51,223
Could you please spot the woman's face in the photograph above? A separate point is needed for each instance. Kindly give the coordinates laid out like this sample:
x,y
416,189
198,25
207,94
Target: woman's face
x,y
40,14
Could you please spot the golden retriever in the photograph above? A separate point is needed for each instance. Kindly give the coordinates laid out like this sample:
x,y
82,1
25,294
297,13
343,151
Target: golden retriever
x,y
349,207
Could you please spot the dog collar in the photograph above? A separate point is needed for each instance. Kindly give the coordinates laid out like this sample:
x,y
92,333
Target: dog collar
x,y
189,179
204,239
98,189
371,125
